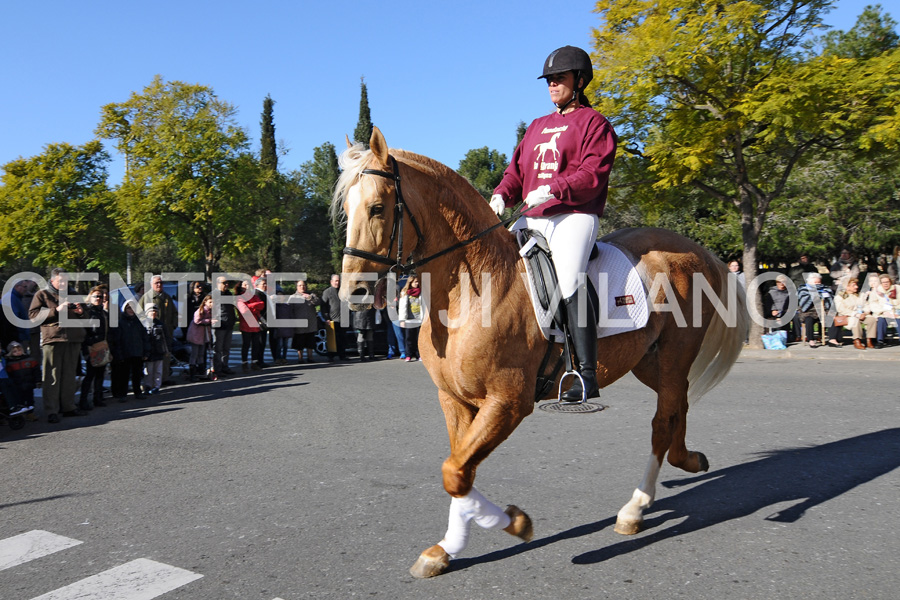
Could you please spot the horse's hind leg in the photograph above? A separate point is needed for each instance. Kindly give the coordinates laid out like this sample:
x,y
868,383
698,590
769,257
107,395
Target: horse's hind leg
x,y
669,381
631,517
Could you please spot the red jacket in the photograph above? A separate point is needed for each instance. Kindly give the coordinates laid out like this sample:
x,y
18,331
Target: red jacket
x,y
251,308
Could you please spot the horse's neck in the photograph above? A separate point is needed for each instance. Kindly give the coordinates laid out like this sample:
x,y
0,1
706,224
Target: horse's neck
x,y
453,222
475,277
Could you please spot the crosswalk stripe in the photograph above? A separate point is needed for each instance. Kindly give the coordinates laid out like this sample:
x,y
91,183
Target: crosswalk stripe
x,y
140,579
31,545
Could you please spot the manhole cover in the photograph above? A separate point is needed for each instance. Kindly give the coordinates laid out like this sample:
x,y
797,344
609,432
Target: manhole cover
x,y
587,407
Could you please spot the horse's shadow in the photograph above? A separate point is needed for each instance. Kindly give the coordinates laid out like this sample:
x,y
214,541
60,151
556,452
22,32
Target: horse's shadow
x,y
807,476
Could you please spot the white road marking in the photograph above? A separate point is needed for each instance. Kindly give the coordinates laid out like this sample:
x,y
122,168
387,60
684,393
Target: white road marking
x,y
32,545
140,579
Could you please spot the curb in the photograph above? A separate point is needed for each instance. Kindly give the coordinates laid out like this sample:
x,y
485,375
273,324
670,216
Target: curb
x,y
804,352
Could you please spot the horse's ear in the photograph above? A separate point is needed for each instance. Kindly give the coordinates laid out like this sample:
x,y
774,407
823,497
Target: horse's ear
x,y
347,137
379,146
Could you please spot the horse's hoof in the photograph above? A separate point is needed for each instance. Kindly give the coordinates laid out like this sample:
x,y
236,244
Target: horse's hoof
x,y
519,525
430,563
704,464
628,527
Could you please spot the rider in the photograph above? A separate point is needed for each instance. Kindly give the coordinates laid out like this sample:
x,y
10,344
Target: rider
x,y
561,169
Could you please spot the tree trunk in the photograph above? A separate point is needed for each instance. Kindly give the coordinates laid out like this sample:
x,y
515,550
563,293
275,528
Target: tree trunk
x,y
750,238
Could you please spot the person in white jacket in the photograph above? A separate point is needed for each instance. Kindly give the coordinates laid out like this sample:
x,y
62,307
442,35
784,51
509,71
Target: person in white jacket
x,y
411,316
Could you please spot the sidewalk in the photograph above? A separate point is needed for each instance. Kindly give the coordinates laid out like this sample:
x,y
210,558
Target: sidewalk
x,y
803,351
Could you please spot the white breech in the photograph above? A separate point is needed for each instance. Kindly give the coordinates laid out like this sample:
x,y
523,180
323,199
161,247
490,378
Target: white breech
x,y
464,510
571,237
643,496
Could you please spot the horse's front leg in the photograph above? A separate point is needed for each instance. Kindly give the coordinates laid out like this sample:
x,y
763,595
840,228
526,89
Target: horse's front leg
x,y
471,440
463,511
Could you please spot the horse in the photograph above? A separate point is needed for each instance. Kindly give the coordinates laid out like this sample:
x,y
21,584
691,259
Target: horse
x,y
550,146
485,369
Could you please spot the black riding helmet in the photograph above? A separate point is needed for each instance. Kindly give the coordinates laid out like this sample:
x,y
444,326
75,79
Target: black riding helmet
x,y
570,58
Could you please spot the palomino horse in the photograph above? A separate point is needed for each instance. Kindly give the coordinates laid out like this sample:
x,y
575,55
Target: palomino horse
x,y
399,202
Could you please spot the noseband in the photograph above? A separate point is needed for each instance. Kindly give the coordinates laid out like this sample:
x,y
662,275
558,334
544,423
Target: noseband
x,y
397,230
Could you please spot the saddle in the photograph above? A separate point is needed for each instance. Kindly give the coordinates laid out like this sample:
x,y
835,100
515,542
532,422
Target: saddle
x,y
535,251
615,285
623,291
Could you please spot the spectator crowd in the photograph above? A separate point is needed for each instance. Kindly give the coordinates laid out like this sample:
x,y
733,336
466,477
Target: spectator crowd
x,y
68,345
866,304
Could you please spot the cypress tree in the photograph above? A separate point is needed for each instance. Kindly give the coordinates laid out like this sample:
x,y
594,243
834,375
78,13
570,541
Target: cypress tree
x,y
363,131
268,154
268,158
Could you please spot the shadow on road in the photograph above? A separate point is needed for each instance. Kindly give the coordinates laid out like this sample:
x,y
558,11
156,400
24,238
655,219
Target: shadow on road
x,y
807,476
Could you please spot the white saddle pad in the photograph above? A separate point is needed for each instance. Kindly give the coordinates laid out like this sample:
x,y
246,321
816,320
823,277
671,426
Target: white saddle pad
x,y
620,290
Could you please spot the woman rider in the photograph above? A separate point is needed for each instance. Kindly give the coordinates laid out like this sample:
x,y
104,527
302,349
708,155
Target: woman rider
x,y
561,170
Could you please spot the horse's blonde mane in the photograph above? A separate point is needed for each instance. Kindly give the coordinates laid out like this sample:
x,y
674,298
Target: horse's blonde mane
x,y
351,161
355,159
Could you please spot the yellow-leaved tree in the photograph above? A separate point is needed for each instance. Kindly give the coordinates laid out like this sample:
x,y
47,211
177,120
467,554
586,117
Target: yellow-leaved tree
x,y
727,97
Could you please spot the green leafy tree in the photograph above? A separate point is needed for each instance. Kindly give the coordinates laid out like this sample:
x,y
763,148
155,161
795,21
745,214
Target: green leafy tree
x,y
721,97
873,34
56,208
316,241
188,175
363,131
858,208
521,128
272,187
483,168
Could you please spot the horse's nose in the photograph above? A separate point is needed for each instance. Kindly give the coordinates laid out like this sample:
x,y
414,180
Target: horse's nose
x,y
359,295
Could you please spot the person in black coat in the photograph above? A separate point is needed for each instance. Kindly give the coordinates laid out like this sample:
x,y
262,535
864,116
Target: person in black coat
x,y
224,319
130,346
364,323
95,333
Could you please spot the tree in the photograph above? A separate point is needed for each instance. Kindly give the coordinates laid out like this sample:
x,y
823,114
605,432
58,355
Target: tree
x,y
364,126
860,211
483,168
721,97
521,128
188,175
56,208
316,240
873,34
272,186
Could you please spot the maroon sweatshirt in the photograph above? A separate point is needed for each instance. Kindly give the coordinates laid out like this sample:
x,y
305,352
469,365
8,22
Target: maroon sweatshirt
x,y
572,153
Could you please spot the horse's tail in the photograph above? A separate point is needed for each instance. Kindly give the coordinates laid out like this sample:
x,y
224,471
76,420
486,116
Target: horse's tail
x,y
723,341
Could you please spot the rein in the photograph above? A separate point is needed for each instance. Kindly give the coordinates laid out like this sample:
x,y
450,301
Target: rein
x,y
397,230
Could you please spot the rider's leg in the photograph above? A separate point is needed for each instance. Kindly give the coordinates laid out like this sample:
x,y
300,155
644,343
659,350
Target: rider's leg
x,y
571,238
582,322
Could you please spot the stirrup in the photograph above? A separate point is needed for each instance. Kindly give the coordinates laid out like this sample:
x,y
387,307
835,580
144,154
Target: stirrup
x,y
559,392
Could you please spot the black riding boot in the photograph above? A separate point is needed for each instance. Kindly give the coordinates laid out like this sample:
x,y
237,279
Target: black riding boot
x,y
584,340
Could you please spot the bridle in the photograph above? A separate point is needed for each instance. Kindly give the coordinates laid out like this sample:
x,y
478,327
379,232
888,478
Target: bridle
x,y
400,207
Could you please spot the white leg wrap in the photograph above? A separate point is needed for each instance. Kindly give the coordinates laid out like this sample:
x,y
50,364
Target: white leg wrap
x,y
464,510
643,496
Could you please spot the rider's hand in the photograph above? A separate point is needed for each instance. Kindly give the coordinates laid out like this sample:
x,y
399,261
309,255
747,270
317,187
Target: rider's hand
x,y
497,204
538,196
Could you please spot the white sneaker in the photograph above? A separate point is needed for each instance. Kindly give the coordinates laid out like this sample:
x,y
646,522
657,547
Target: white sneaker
x,y
20,410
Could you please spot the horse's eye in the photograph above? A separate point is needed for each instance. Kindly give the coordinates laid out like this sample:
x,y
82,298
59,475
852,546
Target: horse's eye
x,y
376,210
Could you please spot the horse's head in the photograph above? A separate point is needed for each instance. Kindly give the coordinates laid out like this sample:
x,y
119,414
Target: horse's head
x,y
367,193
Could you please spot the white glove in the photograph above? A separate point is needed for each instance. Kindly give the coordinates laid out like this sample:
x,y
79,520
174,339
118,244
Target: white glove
x,y
538,196
497,204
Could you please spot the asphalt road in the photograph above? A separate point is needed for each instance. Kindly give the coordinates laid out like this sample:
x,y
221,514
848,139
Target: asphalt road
x,y
324,482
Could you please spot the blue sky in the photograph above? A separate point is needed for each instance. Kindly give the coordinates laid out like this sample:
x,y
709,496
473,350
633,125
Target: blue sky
x,y
442,78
